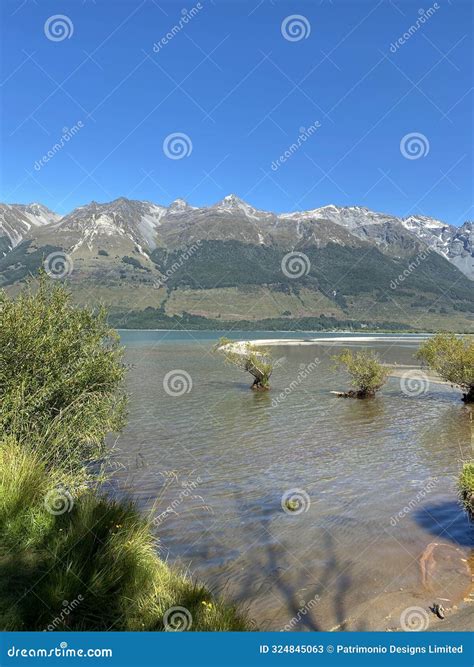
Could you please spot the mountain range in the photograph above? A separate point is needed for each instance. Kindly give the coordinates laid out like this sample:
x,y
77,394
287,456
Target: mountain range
x,y
182,265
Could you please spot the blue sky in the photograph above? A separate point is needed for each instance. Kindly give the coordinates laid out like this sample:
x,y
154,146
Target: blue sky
x,y
242,87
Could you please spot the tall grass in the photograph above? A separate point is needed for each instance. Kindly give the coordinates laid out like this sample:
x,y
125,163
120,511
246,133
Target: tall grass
x,y
95,550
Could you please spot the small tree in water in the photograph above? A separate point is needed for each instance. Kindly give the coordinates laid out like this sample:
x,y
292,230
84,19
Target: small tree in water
x,y
366,372
250,358
452,358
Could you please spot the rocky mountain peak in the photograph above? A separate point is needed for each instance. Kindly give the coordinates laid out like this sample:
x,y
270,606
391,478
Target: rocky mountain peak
x,y
423,221
232,204
179,206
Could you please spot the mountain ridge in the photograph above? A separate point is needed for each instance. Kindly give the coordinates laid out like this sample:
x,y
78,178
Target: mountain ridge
x,y
227,260
454,243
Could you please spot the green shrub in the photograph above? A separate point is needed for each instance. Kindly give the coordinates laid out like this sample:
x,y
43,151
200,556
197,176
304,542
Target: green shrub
x,y
452,358
60,375
365,370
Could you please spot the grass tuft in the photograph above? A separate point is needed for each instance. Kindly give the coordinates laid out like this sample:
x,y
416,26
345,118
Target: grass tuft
x,y
98,555
466,487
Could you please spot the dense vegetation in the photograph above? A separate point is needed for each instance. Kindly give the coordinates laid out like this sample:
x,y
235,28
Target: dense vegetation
x,y
452,358
60,376
22,262
155,318
65,546
232,263
348,279
365,370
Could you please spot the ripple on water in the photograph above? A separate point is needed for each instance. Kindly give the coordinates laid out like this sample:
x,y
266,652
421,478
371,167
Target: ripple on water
x,y
362,465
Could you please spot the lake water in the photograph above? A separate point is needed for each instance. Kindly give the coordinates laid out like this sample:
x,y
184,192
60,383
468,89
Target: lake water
x,y
378,528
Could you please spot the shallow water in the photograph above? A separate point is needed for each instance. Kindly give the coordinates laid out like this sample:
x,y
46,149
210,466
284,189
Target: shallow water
x,y
377,481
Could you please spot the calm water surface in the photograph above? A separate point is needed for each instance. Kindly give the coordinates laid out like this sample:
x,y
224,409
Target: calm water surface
x,y
381,530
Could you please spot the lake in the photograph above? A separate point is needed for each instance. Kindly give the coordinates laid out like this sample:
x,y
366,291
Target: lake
x,y
377,527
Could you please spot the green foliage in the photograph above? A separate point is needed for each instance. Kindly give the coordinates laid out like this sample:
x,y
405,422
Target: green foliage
x,y
60,373
248,357
466,487
222,342
237,264
154,318
23,262
452,358
366,372
99,553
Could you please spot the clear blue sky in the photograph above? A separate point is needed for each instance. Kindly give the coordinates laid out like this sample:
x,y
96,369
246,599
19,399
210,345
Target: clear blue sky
x,y
240,91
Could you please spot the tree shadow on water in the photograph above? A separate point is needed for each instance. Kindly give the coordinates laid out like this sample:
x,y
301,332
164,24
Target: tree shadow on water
x,y
291,575
447,521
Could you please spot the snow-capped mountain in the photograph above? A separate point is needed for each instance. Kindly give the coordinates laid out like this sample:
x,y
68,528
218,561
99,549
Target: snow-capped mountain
x,y
122,221
179,206
352,217
385,231
388,232
17,220
231,205
456,244
137,228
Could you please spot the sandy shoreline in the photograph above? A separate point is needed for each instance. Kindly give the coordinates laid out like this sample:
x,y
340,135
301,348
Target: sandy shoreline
x,y
335,340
